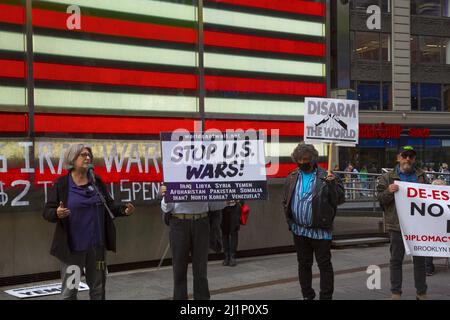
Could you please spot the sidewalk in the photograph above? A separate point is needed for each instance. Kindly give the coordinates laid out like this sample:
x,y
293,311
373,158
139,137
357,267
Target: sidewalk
x,y
273,278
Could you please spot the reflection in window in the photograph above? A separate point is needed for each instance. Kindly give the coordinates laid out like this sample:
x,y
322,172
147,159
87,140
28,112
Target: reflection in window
x,y
430,49
426,7
446,8
386,5
363,4
385,47
430,97
367,46
387,96
446,46
414,97
369,95
414,50
447,97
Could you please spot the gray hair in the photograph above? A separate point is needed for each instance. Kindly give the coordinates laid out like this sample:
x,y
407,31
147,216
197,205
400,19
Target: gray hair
x,y
73,152
303,149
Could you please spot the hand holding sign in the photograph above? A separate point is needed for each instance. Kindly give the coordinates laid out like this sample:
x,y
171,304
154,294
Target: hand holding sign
x,y
393,188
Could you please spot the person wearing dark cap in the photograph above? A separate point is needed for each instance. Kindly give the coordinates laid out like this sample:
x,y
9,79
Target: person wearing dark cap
x,y
404,171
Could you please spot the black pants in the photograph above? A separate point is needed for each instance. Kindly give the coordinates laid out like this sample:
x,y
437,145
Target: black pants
x,y
396,265
306,248
190,237
230,228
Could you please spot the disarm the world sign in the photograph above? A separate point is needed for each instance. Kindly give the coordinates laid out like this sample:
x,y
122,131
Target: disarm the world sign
x,y
331,120
214,166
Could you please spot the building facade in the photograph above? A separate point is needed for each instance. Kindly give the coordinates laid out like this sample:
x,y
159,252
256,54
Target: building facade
x,y
395,59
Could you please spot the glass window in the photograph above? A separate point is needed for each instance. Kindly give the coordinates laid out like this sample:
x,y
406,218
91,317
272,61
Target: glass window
x,y
386,5
369,95
447,97
414,97
430,49
367,45
446,51
414,50
387,96
430,97
446,8
385,47
426,7
363,4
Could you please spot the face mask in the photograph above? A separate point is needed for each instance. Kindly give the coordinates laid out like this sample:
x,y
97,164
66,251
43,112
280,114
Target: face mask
x,y
305,166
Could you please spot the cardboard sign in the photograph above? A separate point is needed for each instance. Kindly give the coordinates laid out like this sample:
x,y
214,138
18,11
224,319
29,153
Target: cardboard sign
x,y
213,167
331,120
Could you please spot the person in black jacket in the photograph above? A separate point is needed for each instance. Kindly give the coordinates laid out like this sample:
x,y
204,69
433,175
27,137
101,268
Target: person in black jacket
x,y
84,225
311,197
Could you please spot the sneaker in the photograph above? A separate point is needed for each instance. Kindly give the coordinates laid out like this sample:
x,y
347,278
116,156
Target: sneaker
x,y
422,297
396,296
429,274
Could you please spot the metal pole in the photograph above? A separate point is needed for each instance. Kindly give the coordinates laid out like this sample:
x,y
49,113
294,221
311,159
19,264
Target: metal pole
x,y
201,65
30,81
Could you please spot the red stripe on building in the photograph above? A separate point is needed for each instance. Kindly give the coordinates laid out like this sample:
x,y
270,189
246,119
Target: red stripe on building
x,y
139,125
12,68
13,122
121,77
108,124
12,14
58,20
293,6
219,83
285,168
249,42
285,128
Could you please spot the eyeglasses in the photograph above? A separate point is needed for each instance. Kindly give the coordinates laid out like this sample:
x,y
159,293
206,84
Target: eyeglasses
x,y
85,155
411,156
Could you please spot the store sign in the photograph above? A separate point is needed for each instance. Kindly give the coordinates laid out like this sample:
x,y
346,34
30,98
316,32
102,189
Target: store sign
x,y
214,166
331,120
380,131
419,132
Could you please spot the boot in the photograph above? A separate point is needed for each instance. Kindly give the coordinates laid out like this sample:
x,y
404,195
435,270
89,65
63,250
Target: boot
x,y
226,261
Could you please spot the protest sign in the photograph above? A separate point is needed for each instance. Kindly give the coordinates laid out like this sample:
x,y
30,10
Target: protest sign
x,y
424,214
331,120
214,166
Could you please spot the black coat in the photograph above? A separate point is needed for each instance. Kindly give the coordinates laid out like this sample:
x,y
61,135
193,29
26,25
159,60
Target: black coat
x,y
326,198
59,192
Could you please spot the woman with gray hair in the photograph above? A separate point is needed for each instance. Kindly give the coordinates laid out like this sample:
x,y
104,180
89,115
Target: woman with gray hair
x,y
83,211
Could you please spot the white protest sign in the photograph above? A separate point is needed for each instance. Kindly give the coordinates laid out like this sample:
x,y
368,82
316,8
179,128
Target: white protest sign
x,y
214,167
331,120
41,290
424,214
